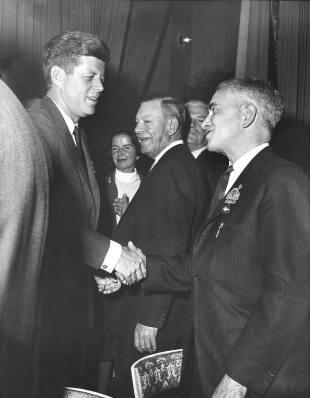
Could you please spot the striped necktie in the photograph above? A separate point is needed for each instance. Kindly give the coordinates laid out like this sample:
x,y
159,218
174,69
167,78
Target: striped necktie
x,y
220,189
79,145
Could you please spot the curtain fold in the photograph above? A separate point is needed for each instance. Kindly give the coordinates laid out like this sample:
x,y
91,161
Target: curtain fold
x,y
303,79
253,42
294,58
292,50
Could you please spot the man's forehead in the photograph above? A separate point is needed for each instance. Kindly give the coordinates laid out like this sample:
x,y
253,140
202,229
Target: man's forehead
x,y
90,62
196,109
220,96
150,108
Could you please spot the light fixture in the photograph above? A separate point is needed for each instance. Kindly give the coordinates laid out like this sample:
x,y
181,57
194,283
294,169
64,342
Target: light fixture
x,y
182,39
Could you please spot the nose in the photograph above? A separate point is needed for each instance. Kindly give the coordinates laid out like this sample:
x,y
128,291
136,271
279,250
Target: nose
x,y
98,85
207,121
121,151
138,128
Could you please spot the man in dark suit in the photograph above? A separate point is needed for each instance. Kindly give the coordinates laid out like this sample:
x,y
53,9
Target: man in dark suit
x,y
162,217
250,261
74,66
24,192
212,164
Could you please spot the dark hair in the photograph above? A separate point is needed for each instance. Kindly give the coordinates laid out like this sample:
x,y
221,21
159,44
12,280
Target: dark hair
x,y
171,107
130,134
268,100
65,49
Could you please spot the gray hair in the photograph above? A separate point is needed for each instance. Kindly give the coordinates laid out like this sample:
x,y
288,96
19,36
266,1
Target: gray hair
x,y
268,100
172,108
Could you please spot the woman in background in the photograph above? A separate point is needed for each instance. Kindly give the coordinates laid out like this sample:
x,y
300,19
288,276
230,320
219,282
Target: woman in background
x,y
119,187
117,190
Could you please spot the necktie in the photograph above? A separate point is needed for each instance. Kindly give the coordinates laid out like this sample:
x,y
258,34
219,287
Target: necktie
x,y
79,146
220,188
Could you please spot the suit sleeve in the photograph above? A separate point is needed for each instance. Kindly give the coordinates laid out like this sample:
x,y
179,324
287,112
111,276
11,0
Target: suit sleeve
x,y
281,315
168,274
93,246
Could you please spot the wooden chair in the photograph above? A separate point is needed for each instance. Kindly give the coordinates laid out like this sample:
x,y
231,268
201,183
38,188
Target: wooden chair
x,y
156,373
72,392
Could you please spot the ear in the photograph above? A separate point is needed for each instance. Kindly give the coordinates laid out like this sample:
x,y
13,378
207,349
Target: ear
x,y
57,75
172,126
249,112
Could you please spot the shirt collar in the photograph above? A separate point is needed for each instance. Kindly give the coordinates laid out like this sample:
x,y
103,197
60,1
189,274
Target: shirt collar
x,y
242,163
197,152
161,154
69,122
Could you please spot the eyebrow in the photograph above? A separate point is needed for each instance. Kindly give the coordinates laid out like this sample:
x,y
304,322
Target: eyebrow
x,y
115,145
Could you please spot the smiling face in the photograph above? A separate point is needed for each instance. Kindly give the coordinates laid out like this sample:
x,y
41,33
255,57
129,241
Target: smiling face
x,y
196,139
80,90
124,153
151,128
223,123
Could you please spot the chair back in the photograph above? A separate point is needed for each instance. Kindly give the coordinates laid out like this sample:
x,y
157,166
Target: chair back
x,y
72,392
156,373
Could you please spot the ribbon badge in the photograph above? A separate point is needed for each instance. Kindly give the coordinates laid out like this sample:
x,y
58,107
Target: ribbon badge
x,y
231,199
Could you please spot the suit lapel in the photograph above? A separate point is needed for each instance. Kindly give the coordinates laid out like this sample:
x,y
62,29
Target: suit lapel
x,y
242,182
147,177
111,187
67,140
90,171
173,149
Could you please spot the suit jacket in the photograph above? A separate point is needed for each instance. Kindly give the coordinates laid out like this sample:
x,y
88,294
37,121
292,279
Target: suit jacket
x,y
108,193
212,166
72,245
251,283
23,222
161,218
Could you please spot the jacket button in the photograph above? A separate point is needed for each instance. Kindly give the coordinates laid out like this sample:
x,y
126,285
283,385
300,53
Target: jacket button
x,y
104,266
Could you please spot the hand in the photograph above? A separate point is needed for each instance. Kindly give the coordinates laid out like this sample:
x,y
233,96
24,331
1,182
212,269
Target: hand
x,y
131,267
229,388
145,338
137,251
120,205
107,285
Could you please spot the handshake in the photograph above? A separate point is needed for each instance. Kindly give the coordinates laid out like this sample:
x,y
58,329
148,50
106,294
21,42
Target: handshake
x,y
131,268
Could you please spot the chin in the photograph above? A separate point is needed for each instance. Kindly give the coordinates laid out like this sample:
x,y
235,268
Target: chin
x,y
212,148
146,151
90,110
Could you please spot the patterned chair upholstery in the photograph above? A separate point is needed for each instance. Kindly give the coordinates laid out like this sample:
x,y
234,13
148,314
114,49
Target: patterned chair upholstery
x,y
156,373
71,392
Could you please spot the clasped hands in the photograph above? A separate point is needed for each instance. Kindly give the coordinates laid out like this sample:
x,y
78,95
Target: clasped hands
x,y
131,268
120,205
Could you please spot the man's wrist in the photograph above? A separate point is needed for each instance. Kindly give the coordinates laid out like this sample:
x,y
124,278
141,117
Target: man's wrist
x,y
112,257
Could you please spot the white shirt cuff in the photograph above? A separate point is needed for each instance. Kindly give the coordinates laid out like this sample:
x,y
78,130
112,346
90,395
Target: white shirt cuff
x,y
112,257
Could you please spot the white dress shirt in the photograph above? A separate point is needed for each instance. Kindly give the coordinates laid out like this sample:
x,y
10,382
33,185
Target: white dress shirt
x,y
242,163
197,152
